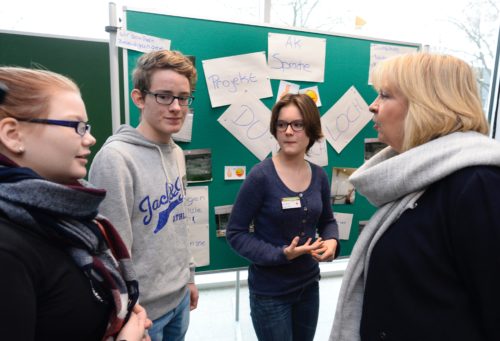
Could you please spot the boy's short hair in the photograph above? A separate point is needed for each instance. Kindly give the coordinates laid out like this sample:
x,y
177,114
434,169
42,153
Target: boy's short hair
x,y
150,62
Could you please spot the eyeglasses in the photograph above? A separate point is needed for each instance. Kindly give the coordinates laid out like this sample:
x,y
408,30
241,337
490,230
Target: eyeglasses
x,y
80,127
296,125
168,99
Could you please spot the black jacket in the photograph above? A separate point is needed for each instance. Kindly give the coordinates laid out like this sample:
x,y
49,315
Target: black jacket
x,y
45,296
435,273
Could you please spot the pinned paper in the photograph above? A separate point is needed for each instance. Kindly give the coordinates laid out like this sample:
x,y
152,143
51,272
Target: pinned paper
x,y
229,77
344,221
235,172
312,92
287,88
296,57
317,153
345,119
248,121
380,52
184,135
140,42
196,208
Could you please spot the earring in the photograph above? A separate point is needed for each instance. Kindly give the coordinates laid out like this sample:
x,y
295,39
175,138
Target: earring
x,y
20,149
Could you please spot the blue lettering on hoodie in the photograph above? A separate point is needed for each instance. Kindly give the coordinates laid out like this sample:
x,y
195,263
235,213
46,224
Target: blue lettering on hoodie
x,y
166,202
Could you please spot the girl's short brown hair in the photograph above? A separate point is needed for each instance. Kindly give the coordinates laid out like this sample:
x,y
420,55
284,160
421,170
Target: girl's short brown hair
x,y
310,115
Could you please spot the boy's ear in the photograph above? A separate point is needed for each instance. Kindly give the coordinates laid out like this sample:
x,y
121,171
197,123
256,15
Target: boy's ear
x,y
137,98
11,136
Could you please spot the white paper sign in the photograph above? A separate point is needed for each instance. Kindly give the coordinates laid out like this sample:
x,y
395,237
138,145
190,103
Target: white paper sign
x,y
345,119
318,153
380,52
199,244
184,135
296,57
229,77
196,205
344,221
248,120
140,42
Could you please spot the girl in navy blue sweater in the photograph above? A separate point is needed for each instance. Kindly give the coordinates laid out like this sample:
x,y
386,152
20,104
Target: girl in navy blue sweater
x,y
288,199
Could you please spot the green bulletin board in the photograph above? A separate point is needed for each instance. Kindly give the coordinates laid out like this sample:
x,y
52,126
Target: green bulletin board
x,y
347,64
84,61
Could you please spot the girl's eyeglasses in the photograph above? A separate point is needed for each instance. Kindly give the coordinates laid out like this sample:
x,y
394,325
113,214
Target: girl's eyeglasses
x,y
80,127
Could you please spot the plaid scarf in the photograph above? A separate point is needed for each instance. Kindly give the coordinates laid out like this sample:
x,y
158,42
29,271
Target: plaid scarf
x,y
68,214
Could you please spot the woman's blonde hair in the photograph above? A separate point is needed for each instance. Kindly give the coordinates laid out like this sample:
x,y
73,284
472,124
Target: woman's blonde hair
x,y
442,95
29,91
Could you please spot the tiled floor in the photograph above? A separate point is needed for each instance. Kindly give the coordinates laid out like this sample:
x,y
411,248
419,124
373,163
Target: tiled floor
x,y
215,317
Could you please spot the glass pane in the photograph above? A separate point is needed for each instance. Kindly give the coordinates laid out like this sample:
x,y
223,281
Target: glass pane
x,y
465,28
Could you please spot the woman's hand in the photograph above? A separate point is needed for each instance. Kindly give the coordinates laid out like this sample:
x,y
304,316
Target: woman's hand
x,y
327,252
136,327
293,251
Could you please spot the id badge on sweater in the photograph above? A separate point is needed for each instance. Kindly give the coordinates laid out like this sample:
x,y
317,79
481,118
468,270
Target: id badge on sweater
x,y
290,202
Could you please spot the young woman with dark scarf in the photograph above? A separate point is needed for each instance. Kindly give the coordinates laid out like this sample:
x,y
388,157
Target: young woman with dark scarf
x,y
66,274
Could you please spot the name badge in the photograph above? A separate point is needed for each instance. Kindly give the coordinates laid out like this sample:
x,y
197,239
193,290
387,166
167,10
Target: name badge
x,y
291,202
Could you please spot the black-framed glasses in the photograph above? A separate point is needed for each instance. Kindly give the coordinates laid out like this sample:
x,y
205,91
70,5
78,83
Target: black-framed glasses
x,y
297,125
167,99
80,127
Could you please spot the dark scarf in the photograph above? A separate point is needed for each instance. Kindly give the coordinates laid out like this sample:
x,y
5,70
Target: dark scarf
x,y
67,214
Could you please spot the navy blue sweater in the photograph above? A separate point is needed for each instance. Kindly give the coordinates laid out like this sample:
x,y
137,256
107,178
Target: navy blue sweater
x,y
259,199
435,273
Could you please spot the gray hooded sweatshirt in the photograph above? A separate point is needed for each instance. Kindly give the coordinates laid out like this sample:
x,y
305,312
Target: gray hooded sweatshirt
x,y
145,184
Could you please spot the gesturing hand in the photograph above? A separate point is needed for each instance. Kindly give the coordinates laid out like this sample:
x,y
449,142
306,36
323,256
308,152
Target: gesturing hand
x,y
327,252
293,251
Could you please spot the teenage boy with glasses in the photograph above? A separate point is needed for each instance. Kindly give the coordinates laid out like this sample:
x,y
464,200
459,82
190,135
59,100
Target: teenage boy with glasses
x,y
144,172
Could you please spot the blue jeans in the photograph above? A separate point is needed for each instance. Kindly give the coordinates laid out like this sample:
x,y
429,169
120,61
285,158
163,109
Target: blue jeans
x,y
290,317
173,325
